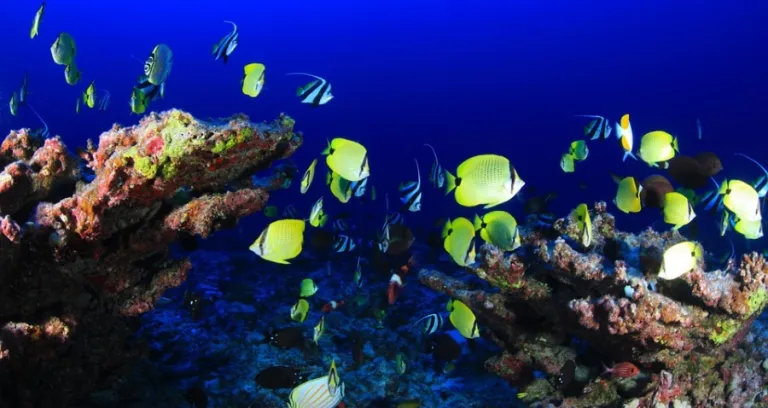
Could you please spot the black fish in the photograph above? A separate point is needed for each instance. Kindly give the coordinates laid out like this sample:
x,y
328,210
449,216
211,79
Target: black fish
x,y
197,397
566,374
279,377
445,348
287,338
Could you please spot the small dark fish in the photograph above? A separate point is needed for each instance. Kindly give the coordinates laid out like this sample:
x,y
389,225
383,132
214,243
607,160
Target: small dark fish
x,y
538,204
279,377
197,397
710,163
445,348
655,189
287,338
567,372
686,171
193,302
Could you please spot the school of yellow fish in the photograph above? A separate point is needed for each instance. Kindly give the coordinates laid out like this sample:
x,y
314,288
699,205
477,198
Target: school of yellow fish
x,y
487,180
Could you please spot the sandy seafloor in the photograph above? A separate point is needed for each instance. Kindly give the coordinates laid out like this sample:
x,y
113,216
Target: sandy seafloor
x,y
224,348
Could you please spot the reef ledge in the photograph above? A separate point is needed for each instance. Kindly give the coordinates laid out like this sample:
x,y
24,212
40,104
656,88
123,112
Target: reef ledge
x,y
81,257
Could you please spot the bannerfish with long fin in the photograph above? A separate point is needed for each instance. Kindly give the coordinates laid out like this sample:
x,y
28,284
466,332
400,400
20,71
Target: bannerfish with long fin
x,y
315,93
224,48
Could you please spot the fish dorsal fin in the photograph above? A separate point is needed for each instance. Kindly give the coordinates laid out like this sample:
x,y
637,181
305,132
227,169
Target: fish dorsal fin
x,y
418,172
433,151
307,74
234,26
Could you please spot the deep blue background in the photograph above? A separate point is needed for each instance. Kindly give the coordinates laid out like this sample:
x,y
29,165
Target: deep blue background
x,y
468,77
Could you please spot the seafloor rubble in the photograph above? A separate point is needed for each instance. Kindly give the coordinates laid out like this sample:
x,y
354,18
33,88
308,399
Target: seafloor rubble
x,y
558,301
81,256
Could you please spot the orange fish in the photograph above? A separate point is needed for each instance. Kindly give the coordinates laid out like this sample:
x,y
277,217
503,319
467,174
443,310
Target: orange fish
x,y
332,305
393,291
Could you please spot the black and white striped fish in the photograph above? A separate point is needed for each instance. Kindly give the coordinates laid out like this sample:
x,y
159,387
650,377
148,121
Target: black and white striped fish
x,y
383,243
315,93
434,322
343,243
395,218
224,48
410,192
598,128
290,211
340,225
358,187
436,174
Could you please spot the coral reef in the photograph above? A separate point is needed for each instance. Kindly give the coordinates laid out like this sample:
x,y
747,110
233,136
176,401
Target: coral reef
x,y
221,347
554,300
80,259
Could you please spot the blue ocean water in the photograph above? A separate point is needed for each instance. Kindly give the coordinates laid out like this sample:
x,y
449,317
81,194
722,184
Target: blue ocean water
x,y
467,77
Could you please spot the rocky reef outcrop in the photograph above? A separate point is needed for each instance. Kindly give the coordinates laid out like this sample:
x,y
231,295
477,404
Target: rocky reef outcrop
x,y
555,301
81,256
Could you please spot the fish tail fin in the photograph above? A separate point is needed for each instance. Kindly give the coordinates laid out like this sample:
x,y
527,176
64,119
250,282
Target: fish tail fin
x,y
327,149
478,223
674,145
628,154
450,182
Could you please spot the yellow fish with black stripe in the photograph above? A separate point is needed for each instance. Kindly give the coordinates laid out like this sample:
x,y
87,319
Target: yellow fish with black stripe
x,y
318,217
347,158
657,147
341,188
628,195
35,30
680,259
486,179
299,311
463,319
309,175
749,229
89,95
280,241
579,150
498,228
253,79
742,199
567,163
678,211
459,240
580,216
